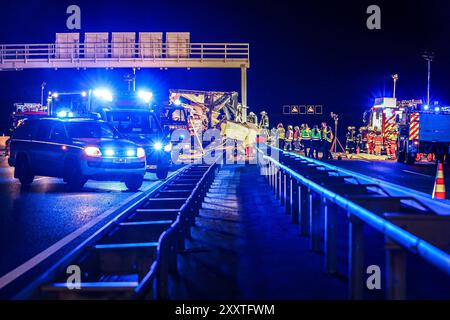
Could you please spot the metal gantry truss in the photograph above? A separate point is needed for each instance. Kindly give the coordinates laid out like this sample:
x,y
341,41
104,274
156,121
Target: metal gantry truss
x,y
114,55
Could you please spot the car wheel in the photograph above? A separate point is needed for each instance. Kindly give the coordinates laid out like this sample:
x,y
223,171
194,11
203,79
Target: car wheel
x,y
23,172
162,173
134,183
75,180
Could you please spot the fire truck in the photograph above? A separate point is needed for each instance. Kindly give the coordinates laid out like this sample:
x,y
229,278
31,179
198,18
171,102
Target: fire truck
x,y
422,130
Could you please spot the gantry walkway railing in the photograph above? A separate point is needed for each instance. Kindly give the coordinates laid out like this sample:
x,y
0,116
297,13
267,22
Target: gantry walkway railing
x,y
124,55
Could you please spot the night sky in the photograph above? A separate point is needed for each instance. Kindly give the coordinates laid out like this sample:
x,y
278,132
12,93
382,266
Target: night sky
x,y
302,52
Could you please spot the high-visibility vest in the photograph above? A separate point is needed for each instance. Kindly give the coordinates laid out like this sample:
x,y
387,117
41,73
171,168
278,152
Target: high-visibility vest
x,y
378,140
306,134
281,133
327,135
290,135
315,135
297,135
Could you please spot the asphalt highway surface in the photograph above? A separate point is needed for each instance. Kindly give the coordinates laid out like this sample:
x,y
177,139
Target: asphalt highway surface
x,y
33,220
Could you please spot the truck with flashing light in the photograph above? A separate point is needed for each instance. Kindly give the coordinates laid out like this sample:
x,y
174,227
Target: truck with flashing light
x,y
134,116
422,130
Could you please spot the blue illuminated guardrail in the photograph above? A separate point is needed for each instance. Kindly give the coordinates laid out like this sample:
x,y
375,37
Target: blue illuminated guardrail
x,y
414,244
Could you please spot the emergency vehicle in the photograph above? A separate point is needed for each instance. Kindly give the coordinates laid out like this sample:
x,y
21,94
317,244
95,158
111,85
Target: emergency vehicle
x,y
132,114
420,130
423,130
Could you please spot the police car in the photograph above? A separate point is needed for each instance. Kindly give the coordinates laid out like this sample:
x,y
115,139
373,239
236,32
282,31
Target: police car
x,y
76,150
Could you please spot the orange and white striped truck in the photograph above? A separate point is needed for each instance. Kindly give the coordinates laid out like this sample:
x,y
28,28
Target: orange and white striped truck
x,y
422,130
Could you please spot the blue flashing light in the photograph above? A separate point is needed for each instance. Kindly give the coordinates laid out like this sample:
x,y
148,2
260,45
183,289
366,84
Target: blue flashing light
x,y
437,109
103,94
147,96
158,146
131,153
426,107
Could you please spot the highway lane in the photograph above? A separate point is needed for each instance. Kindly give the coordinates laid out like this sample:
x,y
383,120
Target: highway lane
x,y
420,176
33,220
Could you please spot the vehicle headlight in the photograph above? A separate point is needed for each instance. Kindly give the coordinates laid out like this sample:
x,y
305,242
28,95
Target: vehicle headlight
x,y
168,147
92,152
140,153
109,152
131,153
157,146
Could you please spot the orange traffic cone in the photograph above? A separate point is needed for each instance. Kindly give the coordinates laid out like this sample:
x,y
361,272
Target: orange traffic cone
x,y
439,185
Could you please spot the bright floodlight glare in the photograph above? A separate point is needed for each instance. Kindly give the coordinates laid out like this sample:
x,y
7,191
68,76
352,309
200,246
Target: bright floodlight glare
x,y
158,146
55,95
146,96
131,153
104,94
178,102
70,115
426,107
84,94
437,109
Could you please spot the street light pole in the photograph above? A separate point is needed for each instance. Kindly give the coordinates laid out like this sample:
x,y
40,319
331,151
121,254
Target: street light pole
x,y
42,92
429,57
395,78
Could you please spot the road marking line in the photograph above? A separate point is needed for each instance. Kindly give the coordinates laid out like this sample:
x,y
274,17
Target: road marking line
x,y
417,173
33,262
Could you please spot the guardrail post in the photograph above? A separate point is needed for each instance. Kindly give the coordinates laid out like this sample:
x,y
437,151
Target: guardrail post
x,y
356,258
314,220
288,192
330,212
304,214
278,184
282,187
295,201
396,274
274,178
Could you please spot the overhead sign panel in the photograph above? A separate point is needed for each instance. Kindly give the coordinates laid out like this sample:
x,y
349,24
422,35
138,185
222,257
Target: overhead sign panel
x,y
178,44
96,44
67,45
123,44
150,44
303,109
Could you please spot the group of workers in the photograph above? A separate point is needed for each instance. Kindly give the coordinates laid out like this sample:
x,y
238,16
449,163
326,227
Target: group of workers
x,y
303,138
371,141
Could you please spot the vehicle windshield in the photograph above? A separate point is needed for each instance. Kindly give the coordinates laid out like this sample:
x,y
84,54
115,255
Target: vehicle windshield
x,y
133,122
90,130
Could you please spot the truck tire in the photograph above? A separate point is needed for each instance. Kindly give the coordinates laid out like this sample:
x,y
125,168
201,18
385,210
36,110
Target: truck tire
x,y
401,156
23,172
134,183
162,173
74,178
410,158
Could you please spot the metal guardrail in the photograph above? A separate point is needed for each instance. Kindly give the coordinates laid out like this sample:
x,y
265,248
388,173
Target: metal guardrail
x,y
131,257
314,195
122,54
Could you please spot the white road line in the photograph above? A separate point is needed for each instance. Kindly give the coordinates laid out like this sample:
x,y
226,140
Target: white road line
x,y
417,173
25,267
